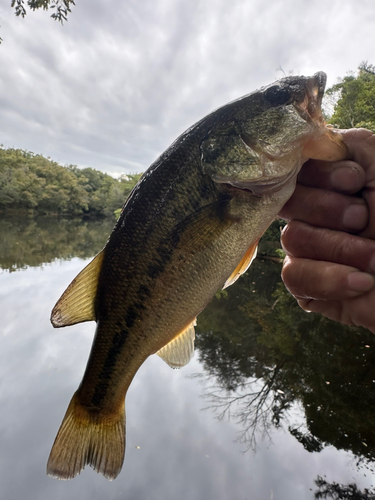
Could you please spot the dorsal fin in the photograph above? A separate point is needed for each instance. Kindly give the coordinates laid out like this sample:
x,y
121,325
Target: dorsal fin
x,y
179,351
77,303
244,265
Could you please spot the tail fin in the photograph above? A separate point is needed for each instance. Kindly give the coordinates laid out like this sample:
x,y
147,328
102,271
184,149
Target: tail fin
x,y
87,439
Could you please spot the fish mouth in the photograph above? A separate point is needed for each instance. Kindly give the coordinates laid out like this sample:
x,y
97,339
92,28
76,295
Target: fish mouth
x,y
311,106
326,144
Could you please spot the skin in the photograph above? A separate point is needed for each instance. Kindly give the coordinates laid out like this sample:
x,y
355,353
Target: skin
x,y
330,237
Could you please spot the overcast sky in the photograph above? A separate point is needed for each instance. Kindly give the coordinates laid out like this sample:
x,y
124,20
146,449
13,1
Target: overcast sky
x,y
114,86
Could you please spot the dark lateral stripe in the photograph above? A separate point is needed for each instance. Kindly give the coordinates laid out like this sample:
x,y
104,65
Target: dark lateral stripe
x,y
133,312
104,378
154,269
164,254
131,316
144,292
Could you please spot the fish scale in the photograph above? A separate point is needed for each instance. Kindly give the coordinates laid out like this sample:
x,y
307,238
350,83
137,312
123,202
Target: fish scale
x,y
189,228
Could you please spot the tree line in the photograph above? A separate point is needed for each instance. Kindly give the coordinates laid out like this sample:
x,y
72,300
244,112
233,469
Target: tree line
x,y
30,182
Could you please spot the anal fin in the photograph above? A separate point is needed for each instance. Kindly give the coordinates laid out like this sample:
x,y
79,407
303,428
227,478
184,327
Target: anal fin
x,y
179,351
244,265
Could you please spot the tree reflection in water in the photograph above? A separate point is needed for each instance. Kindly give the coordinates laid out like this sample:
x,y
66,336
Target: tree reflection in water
x,y
267,356
254,404
340,491
35,241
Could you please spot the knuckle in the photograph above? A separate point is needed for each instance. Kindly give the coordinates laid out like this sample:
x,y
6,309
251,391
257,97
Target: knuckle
x,y
291,276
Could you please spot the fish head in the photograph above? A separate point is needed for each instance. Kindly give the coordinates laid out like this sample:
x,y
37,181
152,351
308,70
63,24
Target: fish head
x,y
260,141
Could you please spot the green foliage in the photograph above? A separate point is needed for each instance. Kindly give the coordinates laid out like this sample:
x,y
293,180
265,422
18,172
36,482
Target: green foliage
x,y
30,182
269,244
355,99
60,14
117,213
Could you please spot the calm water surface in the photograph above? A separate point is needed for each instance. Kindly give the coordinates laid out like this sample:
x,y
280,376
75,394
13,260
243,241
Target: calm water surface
x,y
273,400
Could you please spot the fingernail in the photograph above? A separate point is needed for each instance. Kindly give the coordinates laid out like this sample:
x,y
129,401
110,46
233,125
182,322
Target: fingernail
x,y
304,304
360,282
355,217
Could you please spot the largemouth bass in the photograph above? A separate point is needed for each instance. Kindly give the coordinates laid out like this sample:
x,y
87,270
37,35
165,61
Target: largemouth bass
x,y
189,228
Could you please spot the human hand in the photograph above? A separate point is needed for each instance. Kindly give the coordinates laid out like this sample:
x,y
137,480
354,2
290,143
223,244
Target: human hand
x,y
328,269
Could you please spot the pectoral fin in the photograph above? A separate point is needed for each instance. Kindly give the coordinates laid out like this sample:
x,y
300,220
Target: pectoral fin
x,y
179,351
77,303
203,227
244,265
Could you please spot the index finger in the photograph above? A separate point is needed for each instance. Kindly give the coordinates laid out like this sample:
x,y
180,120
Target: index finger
x,y
345,176
361,147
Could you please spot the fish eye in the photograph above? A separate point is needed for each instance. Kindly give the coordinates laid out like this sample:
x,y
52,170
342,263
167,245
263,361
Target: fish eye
x,y
277,95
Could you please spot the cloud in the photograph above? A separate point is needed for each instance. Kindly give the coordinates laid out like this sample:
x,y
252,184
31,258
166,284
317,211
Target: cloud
x,y
115,85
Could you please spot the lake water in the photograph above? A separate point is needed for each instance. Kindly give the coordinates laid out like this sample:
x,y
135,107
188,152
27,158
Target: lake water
x,y
273,400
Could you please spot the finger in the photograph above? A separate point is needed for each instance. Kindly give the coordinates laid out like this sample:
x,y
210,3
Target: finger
x,y
344,176
307,279
369,195
361,147
327,209
355,312
304,241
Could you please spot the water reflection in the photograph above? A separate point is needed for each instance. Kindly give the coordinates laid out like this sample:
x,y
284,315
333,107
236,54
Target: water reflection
x,y
268,355
341,492
262,359
35,241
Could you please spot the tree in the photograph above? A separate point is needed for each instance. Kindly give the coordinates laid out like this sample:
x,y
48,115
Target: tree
x,y
354,98
32,183
60,14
